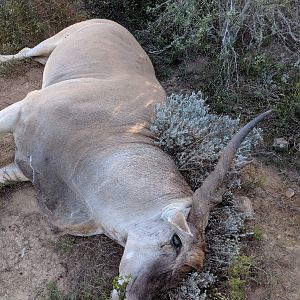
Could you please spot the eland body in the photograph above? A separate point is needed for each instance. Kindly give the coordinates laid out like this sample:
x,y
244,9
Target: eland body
x,y
84,141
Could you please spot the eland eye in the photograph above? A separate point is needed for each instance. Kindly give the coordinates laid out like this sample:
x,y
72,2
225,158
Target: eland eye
x,y
176,242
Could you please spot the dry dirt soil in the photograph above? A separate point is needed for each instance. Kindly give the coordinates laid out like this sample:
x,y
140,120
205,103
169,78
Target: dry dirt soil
x,y
30,257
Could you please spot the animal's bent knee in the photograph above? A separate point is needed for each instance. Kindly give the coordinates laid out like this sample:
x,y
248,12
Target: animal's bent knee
x,y
9,117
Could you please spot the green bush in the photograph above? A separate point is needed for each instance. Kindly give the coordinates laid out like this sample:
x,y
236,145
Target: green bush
x,y
28,22
239,272
223,29
132,14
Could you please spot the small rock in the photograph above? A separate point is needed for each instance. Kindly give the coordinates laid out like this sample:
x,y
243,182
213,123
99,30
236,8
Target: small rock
x,y
243,205
289,193
114,295
280,144
259,192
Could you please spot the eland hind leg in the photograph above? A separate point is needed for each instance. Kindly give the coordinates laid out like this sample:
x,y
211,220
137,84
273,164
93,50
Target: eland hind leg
x,y
41,52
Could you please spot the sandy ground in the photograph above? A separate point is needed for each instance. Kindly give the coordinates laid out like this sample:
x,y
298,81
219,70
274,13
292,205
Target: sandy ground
x,y
29,258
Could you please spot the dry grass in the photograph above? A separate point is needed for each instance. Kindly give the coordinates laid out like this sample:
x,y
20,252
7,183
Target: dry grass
x,y
26,23
14,68
88,259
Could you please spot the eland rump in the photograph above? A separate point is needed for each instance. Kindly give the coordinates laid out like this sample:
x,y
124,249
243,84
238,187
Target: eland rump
x,y
84,142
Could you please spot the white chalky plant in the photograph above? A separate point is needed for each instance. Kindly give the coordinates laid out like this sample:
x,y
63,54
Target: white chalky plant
x,y
195,137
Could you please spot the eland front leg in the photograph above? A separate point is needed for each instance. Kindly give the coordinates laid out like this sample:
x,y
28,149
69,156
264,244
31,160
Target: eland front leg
x,y
9,118
39,53
11,173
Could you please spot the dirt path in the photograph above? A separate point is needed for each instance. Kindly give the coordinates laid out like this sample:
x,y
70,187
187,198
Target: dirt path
x,y
28,248
277,253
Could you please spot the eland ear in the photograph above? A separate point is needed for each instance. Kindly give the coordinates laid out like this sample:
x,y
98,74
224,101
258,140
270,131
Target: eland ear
x,y
177,217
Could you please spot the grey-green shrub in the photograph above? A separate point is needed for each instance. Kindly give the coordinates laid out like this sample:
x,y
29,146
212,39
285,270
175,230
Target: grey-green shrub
x,y
194,137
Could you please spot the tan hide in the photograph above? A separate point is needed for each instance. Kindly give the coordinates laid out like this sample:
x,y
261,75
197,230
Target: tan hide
x,y
84,139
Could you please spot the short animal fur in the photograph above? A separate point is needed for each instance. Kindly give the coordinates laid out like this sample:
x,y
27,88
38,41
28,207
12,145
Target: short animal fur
x,y
84,142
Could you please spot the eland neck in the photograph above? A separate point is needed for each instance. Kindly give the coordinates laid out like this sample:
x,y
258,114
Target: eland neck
x,y
129,185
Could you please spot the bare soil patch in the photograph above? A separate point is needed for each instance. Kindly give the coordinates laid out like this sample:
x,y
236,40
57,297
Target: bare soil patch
x,y
32,255
277,254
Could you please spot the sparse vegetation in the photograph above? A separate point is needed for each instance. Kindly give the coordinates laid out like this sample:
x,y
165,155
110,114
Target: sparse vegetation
x,y
227,29
238,274
257,234
15,67
195,137
53,293
119,285
87,256
66,243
